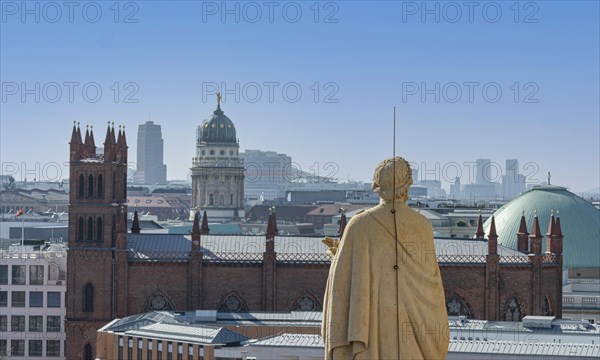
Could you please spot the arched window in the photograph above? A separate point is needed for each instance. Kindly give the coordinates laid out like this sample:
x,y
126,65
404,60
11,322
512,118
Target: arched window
x,y
232,303
80,229
87,351
91,186
210,199
88,298
547,306
306,303
90,229
99,229
456,306
125,186
114,186
513,310
81,186
221,200
100,186
230,199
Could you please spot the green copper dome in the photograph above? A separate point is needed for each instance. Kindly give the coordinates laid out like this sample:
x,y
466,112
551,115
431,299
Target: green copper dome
x,y
579,220
217,128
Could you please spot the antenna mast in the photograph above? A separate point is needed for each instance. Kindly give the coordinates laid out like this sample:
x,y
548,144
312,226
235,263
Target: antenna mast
x,y
395,232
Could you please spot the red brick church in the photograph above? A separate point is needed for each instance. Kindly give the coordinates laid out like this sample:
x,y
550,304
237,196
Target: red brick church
x,y
114,272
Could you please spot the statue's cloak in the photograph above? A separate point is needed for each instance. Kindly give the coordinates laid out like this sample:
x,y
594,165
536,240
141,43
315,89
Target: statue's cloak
x,y
364,316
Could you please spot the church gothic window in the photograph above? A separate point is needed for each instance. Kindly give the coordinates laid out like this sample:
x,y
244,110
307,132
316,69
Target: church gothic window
x,y
80,229
456,306
99,229
90,229
100,186
81,186
232,303
158,302
547,307
87,350
88,298
91,186
513,310
306,303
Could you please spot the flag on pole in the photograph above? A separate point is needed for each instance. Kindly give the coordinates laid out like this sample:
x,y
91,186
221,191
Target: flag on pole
x,y
19,213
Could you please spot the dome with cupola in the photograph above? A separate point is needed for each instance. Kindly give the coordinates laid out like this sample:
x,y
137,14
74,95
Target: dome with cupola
x,y
217,129
580,222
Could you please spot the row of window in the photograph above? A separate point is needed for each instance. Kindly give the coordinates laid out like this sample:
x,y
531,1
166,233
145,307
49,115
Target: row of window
x,y
211,200
94,187
18,274
36,323
81,193
87,228
35,348
149,350
36,299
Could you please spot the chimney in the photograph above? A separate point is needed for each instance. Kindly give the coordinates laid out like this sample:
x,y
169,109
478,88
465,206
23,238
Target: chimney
x,y
270,234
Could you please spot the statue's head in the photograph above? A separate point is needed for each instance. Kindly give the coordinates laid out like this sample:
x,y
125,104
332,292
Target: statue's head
x,y
385,177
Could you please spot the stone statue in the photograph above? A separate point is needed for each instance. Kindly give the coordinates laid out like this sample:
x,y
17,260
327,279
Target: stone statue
x,y
384,297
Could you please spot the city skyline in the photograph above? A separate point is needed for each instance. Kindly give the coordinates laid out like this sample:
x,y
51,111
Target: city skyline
x,y
547,115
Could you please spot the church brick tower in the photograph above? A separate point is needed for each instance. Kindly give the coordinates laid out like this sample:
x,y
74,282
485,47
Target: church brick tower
x,y
97,221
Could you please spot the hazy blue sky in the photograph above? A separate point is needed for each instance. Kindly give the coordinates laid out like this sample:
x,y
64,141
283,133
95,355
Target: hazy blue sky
x,y
364,57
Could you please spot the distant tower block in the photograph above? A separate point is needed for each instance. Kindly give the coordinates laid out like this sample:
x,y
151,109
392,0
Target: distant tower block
x,y
150,151
217,170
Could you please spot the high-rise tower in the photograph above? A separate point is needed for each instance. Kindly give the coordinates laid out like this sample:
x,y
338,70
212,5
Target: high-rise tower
x,y
150,148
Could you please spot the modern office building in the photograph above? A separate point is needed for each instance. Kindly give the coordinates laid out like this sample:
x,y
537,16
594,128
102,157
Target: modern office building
x,y
150,148
268,174
32,301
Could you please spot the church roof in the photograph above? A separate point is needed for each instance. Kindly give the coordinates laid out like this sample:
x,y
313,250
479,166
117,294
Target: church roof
x,y
580,223
217,128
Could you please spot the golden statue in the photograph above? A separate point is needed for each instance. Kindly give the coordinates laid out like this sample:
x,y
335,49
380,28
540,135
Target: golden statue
x,y
219,98
384,297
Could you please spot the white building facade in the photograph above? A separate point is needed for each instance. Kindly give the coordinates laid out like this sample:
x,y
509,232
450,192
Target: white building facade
x,y
32,302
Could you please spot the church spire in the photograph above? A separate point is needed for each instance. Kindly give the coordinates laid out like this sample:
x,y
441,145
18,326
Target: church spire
x,y
479,234
135,226
204,229
522,236
493,238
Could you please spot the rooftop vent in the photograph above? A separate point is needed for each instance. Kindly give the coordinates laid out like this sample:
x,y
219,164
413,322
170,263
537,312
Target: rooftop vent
x,y
544,322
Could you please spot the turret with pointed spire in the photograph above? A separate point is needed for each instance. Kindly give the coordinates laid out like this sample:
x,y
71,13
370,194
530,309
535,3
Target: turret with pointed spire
x,y
135,226
535,238
204,230
75,143
122,145
110,147
523,236
479,234
493,238
89,145
559,236
554,236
